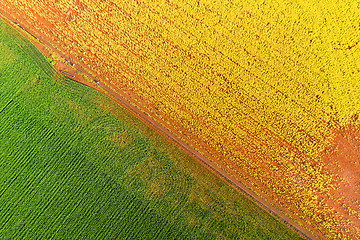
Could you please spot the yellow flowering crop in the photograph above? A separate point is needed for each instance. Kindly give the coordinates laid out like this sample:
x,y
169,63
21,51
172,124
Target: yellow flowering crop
x,y
258,85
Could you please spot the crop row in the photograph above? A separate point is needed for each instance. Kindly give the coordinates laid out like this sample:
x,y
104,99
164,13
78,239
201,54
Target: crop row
x,y
65,176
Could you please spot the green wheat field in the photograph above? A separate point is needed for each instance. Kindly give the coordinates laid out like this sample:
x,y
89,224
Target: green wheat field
x,y
75,165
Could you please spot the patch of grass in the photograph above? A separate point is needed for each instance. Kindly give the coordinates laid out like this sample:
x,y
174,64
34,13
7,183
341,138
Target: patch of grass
x,y
75,165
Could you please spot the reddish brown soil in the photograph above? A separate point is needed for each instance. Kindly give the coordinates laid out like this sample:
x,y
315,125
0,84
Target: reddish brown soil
x,y
342,159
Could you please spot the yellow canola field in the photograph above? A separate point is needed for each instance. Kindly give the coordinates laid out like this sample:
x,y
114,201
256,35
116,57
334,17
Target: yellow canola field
x,y
260,86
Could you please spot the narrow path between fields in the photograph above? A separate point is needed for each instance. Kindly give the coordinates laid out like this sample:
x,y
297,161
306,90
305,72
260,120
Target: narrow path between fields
x,y
104,87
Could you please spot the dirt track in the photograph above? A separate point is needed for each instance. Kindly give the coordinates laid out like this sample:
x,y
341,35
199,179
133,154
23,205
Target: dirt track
x,y
100,85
